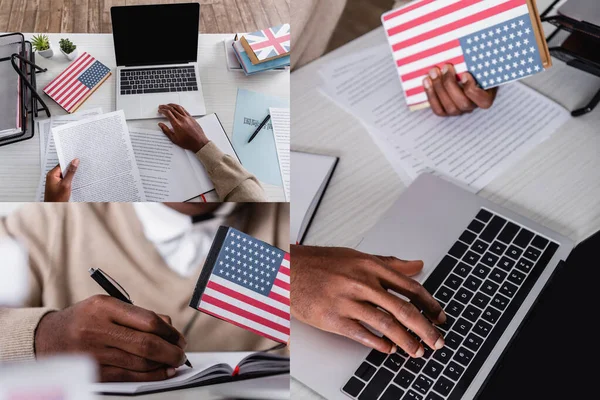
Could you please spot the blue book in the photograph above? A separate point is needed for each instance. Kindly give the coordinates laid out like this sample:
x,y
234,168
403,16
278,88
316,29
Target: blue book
x,y
250,68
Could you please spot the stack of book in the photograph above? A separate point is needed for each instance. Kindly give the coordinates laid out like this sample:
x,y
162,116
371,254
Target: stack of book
x,y
260,51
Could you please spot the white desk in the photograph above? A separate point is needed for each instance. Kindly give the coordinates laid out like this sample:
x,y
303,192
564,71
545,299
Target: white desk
x,y
20,164
557,185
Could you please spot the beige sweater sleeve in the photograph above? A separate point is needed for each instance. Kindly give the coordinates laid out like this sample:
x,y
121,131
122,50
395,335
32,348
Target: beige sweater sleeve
x,y
232,181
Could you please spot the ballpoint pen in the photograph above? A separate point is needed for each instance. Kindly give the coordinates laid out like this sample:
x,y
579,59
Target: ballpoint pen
x,y
262,125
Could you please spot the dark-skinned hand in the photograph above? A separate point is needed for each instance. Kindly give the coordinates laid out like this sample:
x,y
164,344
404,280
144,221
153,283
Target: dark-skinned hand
x,y
58,187
185,131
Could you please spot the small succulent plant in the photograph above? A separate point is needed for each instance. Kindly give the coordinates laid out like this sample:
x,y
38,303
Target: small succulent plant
x,y
67,46
40,43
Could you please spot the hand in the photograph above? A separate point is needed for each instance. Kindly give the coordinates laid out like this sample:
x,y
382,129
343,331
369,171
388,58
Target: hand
x,y
129,342
448,98
337,289
58,188
186,132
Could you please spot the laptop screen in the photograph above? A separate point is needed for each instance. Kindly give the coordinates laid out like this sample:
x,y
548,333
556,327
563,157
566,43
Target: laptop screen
x,y
157,34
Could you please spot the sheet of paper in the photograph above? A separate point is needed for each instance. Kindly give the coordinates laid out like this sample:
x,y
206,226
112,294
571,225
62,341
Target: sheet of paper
x,y
107,170
48,156
471,150
280,118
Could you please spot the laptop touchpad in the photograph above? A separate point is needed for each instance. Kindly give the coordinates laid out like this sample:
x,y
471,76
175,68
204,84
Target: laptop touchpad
x,y
150,103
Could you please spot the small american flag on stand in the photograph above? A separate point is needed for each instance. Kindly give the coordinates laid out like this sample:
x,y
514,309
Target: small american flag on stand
x,y
494,40
267,44
75,84
246,282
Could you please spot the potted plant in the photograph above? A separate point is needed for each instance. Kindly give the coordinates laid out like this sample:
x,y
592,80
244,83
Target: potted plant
x,y
41,44
68,49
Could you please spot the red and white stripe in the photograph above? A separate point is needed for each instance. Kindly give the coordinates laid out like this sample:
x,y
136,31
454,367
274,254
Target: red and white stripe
x,y
267,316
426,33
65,89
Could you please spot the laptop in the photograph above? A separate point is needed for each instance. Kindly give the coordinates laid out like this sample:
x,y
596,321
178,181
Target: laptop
x,y
486,265
157,58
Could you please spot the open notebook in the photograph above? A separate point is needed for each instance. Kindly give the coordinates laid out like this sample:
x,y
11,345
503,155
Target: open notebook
x,y
311,174
209,368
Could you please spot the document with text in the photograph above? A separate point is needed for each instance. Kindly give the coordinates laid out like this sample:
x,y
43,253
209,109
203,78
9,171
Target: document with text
x,y
280,118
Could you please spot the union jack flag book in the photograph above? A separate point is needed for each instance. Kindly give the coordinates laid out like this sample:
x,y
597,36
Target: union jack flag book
x,y
246,282
497,41
268,44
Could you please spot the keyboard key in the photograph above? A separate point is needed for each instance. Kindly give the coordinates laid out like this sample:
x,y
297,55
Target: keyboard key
x,y
482,328
453,281
498,275
462,327
454,308
412,395
532,253
414,364
365,371
393,392
472,283
443,355
491,315
377,384
433,369
471,313
489,287
524,265
453,371
508,289
393,362
471,258
481,300
448,324
523,238
433,396
353,387
516,277
492,229
444,294
506,263
479,246
458,250
476,226
468,237
514,252
484,215
422,384
500,302
481,271
498,248
508,233
462,270
539,242
463,295
463,356
489,259
453,340
473,342
376,358
404,378
443,386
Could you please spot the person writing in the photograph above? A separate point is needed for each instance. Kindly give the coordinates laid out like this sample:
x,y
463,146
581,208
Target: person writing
x,y
231,180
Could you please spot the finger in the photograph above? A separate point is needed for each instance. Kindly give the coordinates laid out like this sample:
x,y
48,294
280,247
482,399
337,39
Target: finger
x,y
390,327
116,374
122,359
168,114
482,98
408,268
355,331
166,318
434,102
55,173
166,130
454,90
180,109
68,178
438,86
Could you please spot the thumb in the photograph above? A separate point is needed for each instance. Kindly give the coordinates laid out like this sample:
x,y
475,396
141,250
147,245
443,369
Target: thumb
x,y
68,176
165,318
408,268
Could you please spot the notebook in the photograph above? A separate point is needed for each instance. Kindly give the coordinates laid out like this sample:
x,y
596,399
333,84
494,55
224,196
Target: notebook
x,y
267,44
311,174
497,41
234,61
209,368
251,69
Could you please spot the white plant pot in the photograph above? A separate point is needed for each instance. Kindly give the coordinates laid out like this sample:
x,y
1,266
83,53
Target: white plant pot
x,y
70,56
46,53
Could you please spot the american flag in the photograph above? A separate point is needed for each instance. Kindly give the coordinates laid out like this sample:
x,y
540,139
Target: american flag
x,y
75,84
270,43
492,39
246,282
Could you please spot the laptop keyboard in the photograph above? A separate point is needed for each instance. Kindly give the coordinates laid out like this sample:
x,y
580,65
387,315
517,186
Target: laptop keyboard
x,y
481,283
158,80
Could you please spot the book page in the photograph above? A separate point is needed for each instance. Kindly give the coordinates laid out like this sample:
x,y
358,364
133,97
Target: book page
x,y
107,169
280,118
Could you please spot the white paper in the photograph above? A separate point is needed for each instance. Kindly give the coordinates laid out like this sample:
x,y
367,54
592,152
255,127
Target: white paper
x,y
471,150
48,156
107,170
280,119
14,274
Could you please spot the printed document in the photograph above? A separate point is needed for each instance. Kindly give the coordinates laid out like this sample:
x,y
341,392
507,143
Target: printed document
x,y
280,118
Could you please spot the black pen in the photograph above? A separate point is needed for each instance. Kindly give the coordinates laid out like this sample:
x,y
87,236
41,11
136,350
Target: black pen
x,y
115,290
259,128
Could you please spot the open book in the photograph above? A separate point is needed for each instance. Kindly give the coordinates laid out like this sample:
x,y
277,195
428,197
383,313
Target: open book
x,y
209,368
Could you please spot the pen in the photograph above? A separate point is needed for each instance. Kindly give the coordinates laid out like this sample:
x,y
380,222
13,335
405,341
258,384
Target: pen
x,y
259,128
115,290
